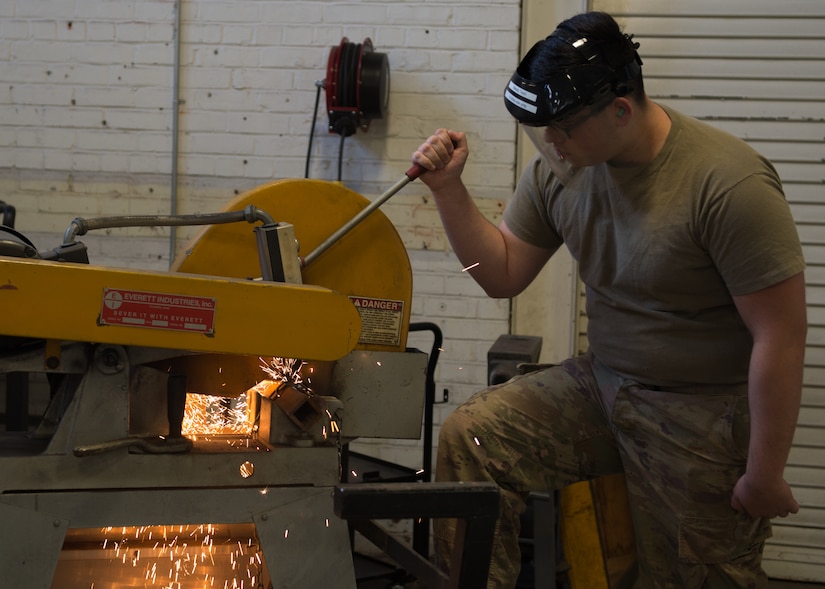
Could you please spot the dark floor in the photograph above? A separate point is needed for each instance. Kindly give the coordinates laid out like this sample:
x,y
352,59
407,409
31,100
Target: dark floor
x,y
389,584
398,581
375,571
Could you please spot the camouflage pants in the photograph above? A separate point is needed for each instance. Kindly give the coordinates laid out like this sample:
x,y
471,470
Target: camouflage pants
x,y
681,452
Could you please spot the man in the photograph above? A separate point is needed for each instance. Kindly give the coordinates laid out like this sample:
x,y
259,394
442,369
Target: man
x,y
696,309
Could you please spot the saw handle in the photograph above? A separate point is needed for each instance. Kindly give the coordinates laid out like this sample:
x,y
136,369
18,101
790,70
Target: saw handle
x,y
414,172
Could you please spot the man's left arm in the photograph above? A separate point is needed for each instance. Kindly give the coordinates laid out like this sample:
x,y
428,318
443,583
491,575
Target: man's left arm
x,y
777,320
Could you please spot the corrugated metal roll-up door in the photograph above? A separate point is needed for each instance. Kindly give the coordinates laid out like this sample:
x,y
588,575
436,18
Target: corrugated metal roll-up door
x,y
756,68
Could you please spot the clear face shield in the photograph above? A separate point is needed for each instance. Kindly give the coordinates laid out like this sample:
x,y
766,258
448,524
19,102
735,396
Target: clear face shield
x,y
561,168
537,105
551,100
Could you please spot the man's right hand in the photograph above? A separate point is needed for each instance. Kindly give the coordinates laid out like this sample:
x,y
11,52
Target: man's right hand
x,y
443,155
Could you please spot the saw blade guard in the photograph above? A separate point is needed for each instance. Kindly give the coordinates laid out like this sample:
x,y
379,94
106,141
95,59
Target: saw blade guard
x,y
369,264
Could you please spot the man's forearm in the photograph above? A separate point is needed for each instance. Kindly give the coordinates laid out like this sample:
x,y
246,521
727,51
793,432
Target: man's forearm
x,y
477,243
775,392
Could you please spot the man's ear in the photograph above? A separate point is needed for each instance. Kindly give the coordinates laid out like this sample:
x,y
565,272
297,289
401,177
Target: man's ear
x,y
622,107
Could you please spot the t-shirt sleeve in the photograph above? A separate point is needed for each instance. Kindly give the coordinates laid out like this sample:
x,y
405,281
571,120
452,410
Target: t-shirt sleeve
x,y
528,213
751,235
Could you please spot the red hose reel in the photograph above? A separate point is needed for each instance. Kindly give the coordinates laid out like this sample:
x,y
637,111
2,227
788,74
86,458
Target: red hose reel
x,y
357,86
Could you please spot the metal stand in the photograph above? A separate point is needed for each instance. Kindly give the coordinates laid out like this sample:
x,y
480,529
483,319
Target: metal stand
x,y
475,505
380,471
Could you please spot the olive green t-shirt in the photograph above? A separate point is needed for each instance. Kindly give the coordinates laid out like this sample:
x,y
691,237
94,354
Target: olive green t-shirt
x,y
662,247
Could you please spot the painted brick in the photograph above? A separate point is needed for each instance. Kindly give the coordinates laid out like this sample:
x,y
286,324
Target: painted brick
x,y
237,34
483,14
147,164
109,53
93,10
201,32
288,12
27,158
136,120
43,30
57,160
231,12
99,96
207,77
44,9
222,143
157,53
57,138
12,29
154,10
131,32
100,31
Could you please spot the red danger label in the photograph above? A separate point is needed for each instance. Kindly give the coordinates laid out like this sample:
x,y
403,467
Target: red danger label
x,y
135,308
381,320
382,304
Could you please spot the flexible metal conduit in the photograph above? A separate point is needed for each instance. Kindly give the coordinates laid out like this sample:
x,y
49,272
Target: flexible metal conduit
x,y
80,226
173,192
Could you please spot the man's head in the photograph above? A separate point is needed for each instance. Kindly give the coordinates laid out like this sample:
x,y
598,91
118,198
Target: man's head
x,y
584,64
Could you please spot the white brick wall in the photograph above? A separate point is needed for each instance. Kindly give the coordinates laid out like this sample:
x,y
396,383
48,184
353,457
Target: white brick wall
x,y
86,119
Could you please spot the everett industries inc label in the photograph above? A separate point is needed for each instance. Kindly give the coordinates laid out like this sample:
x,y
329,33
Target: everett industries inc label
x,y
380,320
135,308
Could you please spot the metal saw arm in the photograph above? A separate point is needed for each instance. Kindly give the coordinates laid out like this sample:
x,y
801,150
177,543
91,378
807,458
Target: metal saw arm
x,y
78,302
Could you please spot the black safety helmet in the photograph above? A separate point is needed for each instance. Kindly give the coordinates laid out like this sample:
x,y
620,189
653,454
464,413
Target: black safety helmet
x,y
540,103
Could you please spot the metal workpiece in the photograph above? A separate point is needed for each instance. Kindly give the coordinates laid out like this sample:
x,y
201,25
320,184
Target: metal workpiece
x,y
292,414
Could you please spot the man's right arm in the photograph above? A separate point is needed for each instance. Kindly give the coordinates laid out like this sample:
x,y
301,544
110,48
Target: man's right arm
x,y
499,261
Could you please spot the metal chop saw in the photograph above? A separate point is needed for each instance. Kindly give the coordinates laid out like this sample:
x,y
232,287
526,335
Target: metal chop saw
x,y
110,488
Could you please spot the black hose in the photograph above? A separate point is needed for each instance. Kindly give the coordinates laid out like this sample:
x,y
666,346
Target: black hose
x,y
341,155
8,229
345,81
318,85
9,213
421,527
